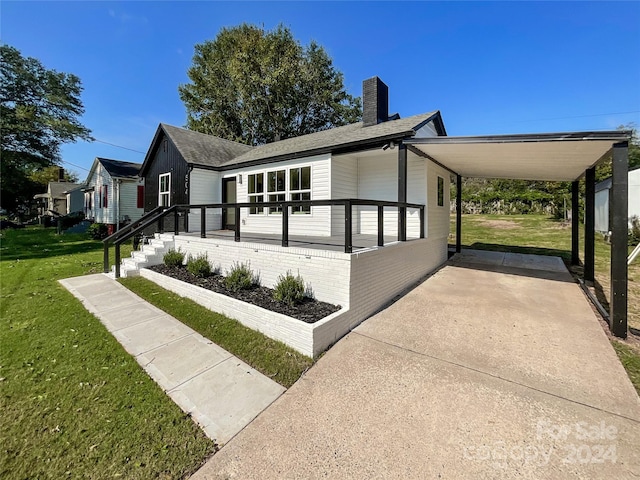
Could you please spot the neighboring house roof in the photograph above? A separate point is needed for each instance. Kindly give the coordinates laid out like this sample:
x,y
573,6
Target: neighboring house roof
x,y
214,152
57,189
115,168
78,186
119,168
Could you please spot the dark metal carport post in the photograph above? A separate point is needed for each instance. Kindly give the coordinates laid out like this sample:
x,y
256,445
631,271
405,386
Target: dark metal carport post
x,y
575,223
402,192
589,224
458,213
619,232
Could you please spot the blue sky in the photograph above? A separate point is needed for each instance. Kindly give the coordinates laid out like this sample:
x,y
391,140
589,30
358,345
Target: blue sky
x,y
490,68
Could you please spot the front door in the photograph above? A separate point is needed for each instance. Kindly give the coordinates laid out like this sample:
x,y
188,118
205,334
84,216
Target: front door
x,y
229,196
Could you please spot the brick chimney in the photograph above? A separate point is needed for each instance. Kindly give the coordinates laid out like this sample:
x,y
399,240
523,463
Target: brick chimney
x,y
375,102
60,174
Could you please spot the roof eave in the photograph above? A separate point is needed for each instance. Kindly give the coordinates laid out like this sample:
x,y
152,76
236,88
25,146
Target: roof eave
x,y
336,149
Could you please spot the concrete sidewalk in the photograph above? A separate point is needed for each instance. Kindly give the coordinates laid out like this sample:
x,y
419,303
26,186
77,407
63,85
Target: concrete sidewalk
x,y
222,393
494,367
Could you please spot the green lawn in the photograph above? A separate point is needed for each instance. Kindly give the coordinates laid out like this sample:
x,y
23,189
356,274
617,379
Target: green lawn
x,y
74,403
539,234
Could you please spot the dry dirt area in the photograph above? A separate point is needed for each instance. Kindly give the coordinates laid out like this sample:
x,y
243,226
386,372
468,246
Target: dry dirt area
x,y
500,224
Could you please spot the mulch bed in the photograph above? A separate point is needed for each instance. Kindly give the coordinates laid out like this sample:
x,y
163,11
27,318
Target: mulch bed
x,y
309,310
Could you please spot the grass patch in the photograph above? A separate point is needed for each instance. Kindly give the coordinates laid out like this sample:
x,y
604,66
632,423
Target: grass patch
x,y
631,362
74,403
271,357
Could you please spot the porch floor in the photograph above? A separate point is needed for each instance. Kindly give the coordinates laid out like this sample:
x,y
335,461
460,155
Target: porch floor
x,y
334,243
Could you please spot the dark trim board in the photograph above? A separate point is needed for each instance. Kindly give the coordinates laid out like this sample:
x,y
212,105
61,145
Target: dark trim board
x,y
619,232
613,136
420,153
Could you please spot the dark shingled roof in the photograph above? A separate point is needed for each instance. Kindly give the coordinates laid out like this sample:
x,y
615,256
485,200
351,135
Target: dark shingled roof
x,y
220,154
120,169
201,149
334,138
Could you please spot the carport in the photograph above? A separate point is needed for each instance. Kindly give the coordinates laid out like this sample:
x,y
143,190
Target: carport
x,y
549,157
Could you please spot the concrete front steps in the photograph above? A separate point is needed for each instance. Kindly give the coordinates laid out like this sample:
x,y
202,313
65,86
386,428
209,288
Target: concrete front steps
x,y
150,254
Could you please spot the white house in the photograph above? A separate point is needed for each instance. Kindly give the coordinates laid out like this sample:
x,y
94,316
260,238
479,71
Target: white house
x,y
358,161
365,162
377,217
113,192
602,204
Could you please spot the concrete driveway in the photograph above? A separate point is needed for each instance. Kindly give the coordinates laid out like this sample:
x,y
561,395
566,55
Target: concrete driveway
x,y
494,367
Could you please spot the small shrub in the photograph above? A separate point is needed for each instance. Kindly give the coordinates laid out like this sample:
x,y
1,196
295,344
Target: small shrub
x,y
98,231
173,258
240,277
290,289
199,266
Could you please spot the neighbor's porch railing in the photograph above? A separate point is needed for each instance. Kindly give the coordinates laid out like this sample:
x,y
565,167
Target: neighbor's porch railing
x,y
157,216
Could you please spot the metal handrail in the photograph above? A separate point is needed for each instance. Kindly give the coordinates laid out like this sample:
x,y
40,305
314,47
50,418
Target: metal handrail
x,y
158,214
155,215
124,230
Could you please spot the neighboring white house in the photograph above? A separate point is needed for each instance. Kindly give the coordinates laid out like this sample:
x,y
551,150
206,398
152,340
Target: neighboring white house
x,y
75,198
113,192
602,200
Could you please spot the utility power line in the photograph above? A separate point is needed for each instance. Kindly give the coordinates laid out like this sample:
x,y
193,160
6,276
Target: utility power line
x,y
118,146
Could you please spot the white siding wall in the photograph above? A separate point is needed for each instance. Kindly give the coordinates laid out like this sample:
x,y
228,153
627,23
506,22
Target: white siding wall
x,y
98,179
129,200
344,184
602,210
318,223
634,192
437,218
602,202
378,180
205,187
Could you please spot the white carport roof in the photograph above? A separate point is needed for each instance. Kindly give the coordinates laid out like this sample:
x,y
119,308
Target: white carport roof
x,y
546,156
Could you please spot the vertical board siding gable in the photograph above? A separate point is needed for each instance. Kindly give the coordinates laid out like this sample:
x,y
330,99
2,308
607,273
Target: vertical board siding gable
x,y
166,160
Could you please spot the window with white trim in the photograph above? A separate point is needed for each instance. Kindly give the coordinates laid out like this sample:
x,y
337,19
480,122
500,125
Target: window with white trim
x,y
300,188
256,191
164,190
276,187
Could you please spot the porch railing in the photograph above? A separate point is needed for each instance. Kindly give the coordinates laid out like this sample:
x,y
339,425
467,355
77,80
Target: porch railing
x,y
157,217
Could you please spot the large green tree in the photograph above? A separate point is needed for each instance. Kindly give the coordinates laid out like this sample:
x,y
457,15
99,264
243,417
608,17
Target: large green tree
x,y
39,111
256,86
